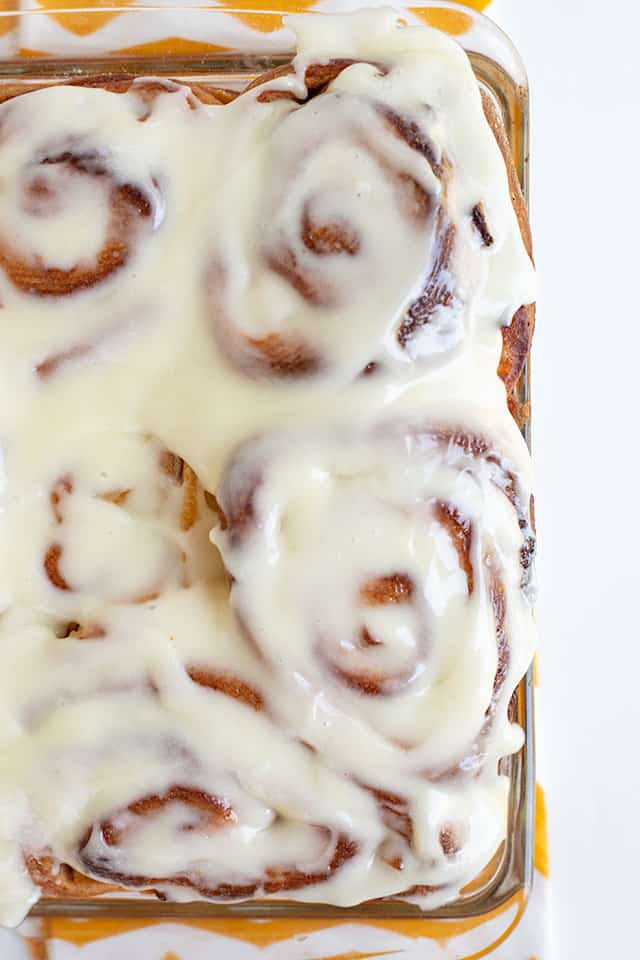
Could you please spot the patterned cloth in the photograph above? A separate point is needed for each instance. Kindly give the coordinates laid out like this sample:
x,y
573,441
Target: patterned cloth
x,y
516,931
86,27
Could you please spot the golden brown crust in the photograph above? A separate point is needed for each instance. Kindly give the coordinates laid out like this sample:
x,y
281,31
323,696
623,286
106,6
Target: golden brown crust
x,y
61,880
204,92
516,338
517,199
267,96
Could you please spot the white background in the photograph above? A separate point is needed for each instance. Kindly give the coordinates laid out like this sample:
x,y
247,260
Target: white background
x,y
582,59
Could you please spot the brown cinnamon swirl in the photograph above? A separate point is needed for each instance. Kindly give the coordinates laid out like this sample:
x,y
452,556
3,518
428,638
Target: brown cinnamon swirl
x,y
117,497
218,842
400,561
51,179
345,157
52,183
101,850
320,251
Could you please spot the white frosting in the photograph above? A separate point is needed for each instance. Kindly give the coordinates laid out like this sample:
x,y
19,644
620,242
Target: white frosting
x,y
117,619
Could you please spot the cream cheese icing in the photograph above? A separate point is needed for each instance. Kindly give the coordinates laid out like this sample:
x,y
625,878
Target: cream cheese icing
x,y
328,727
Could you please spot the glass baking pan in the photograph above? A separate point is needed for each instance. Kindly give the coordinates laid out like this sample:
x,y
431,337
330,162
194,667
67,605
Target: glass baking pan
x,y
44,51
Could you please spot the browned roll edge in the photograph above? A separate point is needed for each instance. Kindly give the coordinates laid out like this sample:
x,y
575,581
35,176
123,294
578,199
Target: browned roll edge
x,y
118,83
516,338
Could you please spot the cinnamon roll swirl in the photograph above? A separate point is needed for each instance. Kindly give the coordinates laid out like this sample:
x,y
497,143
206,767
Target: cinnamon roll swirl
x,y
50,183
370,522
52,178
400,561
206,829
103,846
347,151
120,498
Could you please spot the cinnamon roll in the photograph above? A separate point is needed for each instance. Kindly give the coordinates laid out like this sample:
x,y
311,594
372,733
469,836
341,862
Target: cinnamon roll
x,y
102,848
372,548
126,521
50,183
206,824
400,561
52,178
348,148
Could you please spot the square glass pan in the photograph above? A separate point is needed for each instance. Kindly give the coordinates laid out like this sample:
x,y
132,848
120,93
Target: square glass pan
x,y
501,74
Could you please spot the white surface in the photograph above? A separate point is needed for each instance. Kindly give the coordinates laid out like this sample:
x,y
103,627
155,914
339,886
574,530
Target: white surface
x,y
581,58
